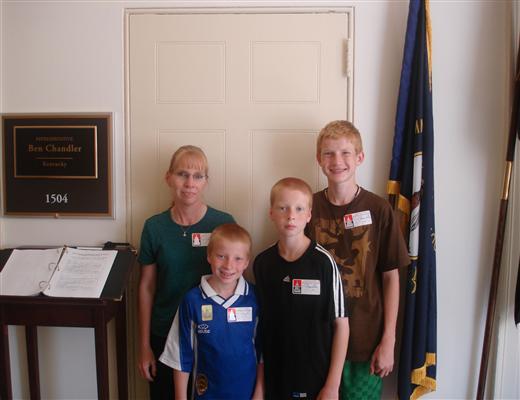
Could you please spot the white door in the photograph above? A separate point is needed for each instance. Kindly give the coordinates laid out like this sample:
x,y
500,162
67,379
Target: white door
x,y
252,90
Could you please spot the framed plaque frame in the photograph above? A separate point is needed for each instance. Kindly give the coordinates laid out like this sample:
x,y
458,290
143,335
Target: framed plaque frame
x,y
57,164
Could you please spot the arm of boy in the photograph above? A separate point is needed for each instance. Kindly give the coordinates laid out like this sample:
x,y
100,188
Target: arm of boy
x,y
338,355
180,380
177,342
382,362
259,392
147,282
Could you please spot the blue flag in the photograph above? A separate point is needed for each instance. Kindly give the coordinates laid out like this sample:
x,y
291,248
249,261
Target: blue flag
x,y
411,190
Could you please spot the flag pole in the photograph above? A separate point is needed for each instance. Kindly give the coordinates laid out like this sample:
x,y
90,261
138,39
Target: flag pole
x,y
499,242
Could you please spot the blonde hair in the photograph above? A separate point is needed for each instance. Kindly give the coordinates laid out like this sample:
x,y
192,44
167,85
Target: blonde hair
x,y
293,184
337,130
233,233
193,156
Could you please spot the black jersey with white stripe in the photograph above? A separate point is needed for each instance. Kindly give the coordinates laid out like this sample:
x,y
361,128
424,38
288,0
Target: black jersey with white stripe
x,y
299,301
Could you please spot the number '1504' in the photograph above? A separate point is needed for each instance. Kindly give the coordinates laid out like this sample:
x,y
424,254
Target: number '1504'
x,y
57,198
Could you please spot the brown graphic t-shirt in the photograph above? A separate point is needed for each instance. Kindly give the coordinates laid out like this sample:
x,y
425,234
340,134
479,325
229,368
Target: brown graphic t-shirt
x,y
365,240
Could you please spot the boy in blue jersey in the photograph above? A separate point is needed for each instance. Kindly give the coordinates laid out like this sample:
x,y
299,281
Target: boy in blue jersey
x,y
213,334
303,320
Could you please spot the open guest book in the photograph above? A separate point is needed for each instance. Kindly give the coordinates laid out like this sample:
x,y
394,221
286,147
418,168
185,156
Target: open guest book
x,y
58,272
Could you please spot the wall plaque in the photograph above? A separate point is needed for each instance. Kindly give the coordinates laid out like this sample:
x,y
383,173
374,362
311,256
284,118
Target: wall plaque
x,y
57,165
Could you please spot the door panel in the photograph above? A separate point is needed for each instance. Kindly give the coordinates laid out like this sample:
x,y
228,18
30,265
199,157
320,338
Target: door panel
x,y
252,90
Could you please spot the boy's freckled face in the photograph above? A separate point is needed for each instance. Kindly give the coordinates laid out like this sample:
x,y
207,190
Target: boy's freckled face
x,y
228,260
290,212
338,159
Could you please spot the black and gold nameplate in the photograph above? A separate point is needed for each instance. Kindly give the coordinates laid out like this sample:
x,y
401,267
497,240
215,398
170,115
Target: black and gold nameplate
x,y
57,164
58,152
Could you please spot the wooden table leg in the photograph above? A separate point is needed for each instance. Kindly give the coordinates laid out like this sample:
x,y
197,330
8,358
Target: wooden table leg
x,y
100,331
31,340
121,344
6,391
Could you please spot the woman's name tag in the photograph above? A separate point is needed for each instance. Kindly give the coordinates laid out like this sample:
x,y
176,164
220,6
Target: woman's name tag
x,y
200,239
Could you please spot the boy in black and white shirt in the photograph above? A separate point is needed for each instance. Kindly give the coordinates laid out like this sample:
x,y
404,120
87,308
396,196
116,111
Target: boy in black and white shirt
x,y
303,315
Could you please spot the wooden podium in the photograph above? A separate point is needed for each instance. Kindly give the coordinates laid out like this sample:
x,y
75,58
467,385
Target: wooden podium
x,y
34,311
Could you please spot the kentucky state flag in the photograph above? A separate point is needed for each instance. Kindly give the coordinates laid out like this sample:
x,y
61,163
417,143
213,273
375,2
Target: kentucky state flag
x,y
411,190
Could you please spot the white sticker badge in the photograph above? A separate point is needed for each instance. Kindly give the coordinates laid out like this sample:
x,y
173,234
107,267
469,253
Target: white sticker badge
x,y
357,219
240,314
200,239
306,286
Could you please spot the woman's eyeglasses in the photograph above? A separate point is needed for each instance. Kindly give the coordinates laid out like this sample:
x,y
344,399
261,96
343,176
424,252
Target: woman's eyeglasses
x,y
198,177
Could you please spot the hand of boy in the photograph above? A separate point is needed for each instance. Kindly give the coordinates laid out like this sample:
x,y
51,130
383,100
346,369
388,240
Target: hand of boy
x,y
382,362
328,393
147,367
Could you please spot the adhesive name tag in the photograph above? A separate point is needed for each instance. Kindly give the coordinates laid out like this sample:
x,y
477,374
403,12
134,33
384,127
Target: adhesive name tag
x,y
240,314
357,219
306,286
200,239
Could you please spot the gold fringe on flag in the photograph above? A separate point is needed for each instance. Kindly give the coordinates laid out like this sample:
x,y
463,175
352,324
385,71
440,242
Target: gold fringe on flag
x,y
424,382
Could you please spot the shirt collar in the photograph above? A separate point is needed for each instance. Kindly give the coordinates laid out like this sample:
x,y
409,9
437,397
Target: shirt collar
x,y
242,289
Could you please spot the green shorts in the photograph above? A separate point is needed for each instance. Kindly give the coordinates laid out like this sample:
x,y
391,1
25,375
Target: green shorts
x,y
358,384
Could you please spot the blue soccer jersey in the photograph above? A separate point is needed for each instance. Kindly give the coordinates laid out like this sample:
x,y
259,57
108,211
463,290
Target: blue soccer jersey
x,y
214,339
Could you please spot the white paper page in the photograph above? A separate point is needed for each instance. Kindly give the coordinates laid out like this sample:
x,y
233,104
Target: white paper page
x,y
26,272
81,273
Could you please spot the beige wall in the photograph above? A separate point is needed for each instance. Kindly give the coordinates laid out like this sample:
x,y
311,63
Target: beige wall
x,y
68,57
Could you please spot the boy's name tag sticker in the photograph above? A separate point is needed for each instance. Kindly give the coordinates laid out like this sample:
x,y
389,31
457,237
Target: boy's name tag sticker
x,y
200,239
207,312
306,286
357,219
240,314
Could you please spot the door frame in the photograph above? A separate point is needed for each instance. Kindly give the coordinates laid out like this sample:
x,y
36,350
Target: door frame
x,y
348,51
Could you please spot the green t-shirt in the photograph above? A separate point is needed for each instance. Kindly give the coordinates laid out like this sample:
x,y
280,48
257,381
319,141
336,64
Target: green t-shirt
x,y
180,260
